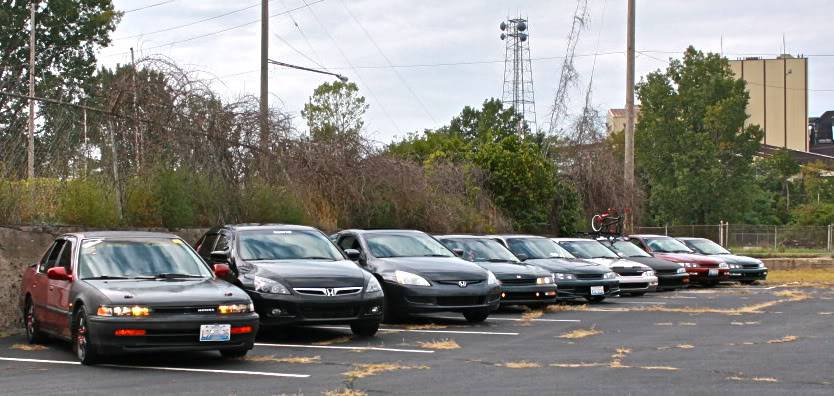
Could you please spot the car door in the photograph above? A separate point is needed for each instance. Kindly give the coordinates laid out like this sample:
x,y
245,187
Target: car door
x,y
40,284
57,299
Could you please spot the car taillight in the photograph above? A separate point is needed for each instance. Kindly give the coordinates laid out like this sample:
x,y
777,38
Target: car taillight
x,y
241,330
130,332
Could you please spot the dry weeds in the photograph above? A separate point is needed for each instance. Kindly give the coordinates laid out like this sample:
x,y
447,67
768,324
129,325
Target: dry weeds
x,y
580,333
337,340
370,369
566,307
755,379
803,277
440,344
427,326
784,339
28,347
527,317
684,346
344,392
291,359
519,365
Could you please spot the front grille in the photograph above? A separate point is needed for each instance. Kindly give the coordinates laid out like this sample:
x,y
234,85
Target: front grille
x,y
633,285
631,273
667,272
206,309
325,291
454,282
460,301
328,311
518,282
588,276
750,266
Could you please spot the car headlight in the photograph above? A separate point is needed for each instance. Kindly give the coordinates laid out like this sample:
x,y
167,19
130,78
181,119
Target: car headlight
x,y
266,285
610,275
235,308
373,286
491,279
761,265
135,310
563,276
723,266
648,273
407,278
544,280
681,271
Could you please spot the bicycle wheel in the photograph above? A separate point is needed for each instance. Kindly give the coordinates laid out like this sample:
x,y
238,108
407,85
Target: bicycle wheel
x,y
597,223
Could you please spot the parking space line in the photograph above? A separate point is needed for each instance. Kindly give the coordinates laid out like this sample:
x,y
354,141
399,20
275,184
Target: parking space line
x,y
355,348
521,320
642,302
195,370
427,331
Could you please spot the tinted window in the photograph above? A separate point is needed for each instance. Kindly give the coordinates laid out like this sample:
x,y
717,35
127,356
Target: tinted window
x,y
411,244
286,245
207,246
537,248
478,249
66,257
140,257
587,249
52,256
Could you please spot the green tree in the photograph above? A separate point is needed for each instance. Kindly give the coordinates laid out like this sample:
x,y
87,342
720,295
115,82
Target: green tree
x,y
692,148
335,110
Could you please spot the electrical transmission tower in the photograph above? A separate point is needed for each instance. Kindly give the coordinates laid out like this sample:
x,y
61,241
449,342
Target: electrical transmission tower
x,y
518,71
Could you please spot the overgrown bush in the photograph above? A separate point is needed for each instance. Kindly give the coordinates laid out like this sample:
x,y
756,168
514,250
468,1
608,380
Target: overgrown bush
x,y
265,203
88,202
33,201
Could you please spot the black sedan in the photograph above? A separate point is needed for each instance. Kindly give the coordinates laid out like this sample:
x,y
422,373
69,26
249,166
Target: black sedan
x,y
295,275
670,276
574,277
115,292
419,274
743,269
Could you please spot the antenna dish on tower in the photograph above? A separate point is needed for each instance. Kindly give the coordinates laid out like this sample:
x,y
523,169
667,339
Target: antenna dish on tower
x,y
503,36
503,26
521,26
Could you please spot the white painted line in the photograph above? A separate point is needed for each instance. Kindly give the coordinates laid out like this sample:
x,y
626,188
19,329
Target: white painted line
x,y
533,320
354,348
195,370
426,331
641,302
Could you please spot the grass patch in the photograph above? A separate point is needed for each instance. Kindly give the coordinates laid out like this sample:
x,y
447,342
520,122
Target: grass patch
x,y
784,339
337,340
367,370
566,307
440,344
519,365
801,276
291,359
28,347
580,333
527,317
344,392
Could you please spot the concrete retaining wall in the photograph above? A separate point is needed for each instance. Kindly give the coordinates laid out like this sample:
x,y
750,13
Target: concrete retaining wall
x,y
799,263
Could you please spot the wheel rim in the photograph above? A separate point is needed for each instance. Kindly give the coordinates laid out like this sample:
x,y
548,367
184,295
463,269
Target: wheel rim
x,y
30,321
81,339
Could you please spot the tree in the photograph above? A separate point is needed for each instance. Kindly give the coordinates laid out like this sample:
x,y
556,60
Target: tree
x,y
693,150
335,110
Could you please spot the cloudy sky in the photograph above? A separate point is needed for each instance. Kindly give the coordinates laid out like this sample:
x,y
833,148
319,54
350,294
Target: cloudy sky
x,y
447,54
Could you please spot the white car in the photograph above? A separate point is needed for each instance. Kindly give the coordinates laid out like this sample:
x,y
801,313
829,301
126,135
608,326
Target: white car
x,y
635,279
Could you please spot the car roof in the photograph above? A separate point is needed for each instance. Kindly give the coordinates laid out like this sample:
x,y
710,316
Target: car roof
x,y
266,226
383,231
516,236
121,234
572,239
462,236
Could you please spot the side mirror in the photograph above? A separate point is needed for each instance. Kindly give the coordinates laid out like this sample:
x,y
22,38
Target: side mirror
x,y
458,252
353,254
58,273
222,270
522,257
220,256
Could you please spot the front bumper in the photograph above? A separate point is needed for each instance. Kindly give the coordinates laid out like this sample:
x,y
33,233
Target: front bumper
x,y
287,309
672,281
638,284
748,274
442,298
572,289
168,333
702,275
528,294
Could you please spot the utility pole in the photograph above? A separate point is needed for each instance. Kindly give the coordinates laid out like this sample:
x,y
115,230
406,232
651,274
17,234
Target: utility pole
x,y
30,154
136,137
86,152
628,163
264,117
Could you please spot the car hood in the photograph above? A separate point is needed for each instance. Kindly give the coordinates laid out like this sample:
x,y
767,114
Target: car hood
x,y
572,266
169,292
688,258
733,259
511,269
618,263
438,268
311,273
656,264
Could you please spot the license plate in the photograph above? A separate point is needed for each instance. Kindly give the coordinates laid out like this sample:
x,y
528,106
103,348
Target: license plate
x,y
713,272
597,290
215,332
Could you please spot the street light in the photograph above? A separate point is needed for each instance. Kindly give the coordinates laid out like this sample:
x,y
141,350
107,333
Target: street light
x,y
339,76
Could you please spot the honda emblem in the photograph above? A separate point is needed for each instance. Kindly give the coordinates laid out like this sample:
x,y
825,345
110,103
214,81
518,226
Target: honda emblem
x,y
329,292
462,283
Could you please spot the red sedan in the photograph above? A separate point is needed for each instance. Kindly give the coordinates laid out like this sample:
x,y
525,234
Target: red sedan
x,y
701,269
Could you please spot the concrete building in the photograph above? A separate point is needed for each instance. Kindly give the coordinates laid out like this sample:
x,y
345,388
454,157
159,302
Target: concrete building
x,y
778,98
616,120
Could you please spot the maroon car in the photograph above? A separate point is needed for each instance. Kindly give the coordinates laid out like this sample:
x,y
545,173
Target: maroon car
x,y
702,269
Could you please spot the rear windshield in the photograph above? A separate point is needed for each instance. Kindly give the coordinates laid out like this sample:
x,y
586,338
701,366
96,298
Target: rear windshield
x,y
286,245
138,258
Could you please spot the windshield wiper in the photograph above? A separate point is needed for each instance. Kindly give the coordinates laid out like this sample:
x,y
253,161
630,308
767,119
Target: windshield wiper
x,y
435,255
317,258
169,275
105,277
497,260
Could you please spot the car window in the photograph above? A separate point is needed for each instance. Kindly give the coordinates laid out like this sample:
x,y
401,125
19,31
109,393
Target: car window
x,y
629,249
667,245
66,257
405,244
537,248
207,246
139,258
52,256
286,245
480,249
588,249
705,246
222,243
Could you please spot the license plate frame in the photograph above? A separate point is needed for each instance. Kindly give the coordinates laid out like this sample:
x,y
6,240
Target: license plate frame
x,y
597,290
215,332
712,272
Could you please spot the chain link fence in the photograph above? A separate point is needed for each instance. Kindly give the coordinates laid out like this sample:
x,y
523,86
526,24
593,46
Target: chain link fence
x,y
776,237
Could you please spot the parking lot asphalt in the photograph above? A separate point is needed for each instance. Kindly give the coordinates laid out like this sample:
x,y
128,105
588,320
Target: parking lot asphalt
x,y
735,340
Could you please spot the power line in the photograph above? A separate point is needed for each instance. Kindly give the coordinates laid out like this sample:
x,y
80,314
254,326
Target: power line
x,y
149,6
168,29
303,36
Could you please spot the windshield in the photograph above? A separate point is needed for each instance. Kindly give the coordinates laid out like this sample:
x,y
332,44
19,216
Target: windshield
x,y
537,248
667,245
286,245
139,258
705,246
411,244
629,249
480,249
588,249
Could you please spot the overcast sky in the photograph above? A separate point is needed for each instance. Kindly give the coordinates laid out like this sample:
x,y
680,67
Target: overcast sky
x,y
460,39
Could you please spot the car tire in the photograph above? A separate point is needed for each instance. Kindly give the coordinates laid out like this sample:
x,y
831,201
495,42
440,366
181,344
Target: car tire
x,y
82,343
365,329
476,316
33,332
234,353
595,299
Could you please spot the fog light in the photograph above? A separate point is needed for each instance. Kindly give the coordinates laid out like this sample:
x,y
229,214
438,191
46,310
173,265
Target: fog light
x,y
374,309
503,295
276,312
241,330
537,294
